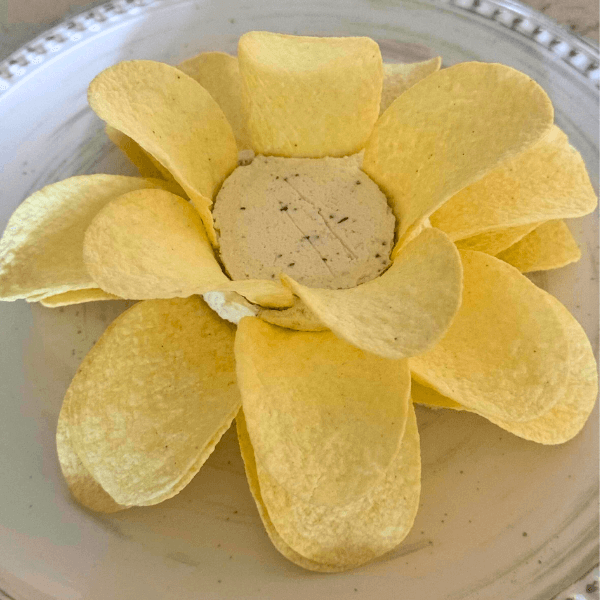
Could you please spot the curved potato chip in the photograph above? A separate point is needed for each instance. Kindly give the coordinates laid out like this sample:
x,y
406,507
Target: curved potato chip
x,y
168,256
494,242
568,416
325,418
76,297
309,96
356,533
41,248
84,488
152,399
398,77
134,153
550,246
548,181
175,120
219,74
448,131
404,311
506,352
421,394
251,475
297,317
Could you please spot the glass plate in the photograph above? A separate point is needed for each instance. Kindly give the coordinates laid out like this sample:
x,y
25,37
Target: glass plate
x,y
500,518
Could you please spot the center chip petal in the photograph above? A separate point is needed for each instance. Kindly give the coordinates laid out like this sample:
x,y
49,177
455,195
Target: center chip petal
x,y
323,221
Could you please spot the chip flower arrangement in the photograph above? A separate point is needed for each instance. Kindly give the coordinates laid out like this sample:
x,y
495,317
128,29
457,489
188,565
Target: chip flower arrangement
x,y
361,229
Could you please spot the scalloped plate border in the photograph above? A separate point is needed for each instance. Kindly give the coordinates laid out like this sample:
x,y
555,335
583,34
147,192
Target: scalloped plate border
x,y
580,55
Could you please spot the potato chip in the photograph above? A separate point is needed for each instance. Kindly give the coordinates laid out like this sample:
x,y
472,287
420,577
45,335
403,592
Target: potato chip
x,y
219,74
250,467
427,396
494,242
76,297
568,416
85,489
506,352
549,246
168,257
325,419
398,77
448,131
297,317
175,120
41,249
548,181
403,312
134,153
308,96
144,431
351,535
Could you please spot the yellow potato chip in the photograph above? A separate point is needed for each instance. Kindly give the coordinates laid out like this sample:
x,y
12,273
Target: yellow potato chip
x,y
548,181
297,317
41,248
398,77
144,431
219,74
175,120
568,416
494,242
309,96
351,535
403,312
325,419
549,246
134,153
427,396
506,352
76,297
250,467
168,257
448,131
85,489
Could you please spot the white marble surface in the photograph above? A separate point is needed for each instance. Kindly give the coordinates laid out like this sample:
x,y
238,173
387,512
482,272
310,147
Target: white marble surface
x,y
21,20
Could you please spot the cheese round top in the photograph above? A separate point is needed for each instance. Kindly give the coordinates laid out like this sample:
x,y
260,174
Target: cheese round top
x,y
321,221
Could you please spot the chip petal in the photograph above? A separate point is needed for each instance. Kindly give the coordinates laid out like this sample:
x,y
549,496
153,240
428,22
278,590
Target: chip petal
x,y
568,416
325,419
252,476
403,312
76,297
506,352
41,248
145,430
169,256
309,96
219,74
398,77
494,242
134,153
84,488
448,131
547,181
351,535
175,120
427,396
549,246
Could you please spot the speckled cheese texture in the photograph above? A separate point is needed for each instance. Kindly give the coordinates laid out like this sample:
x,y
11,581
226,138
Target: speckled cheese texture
x,y
321,221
